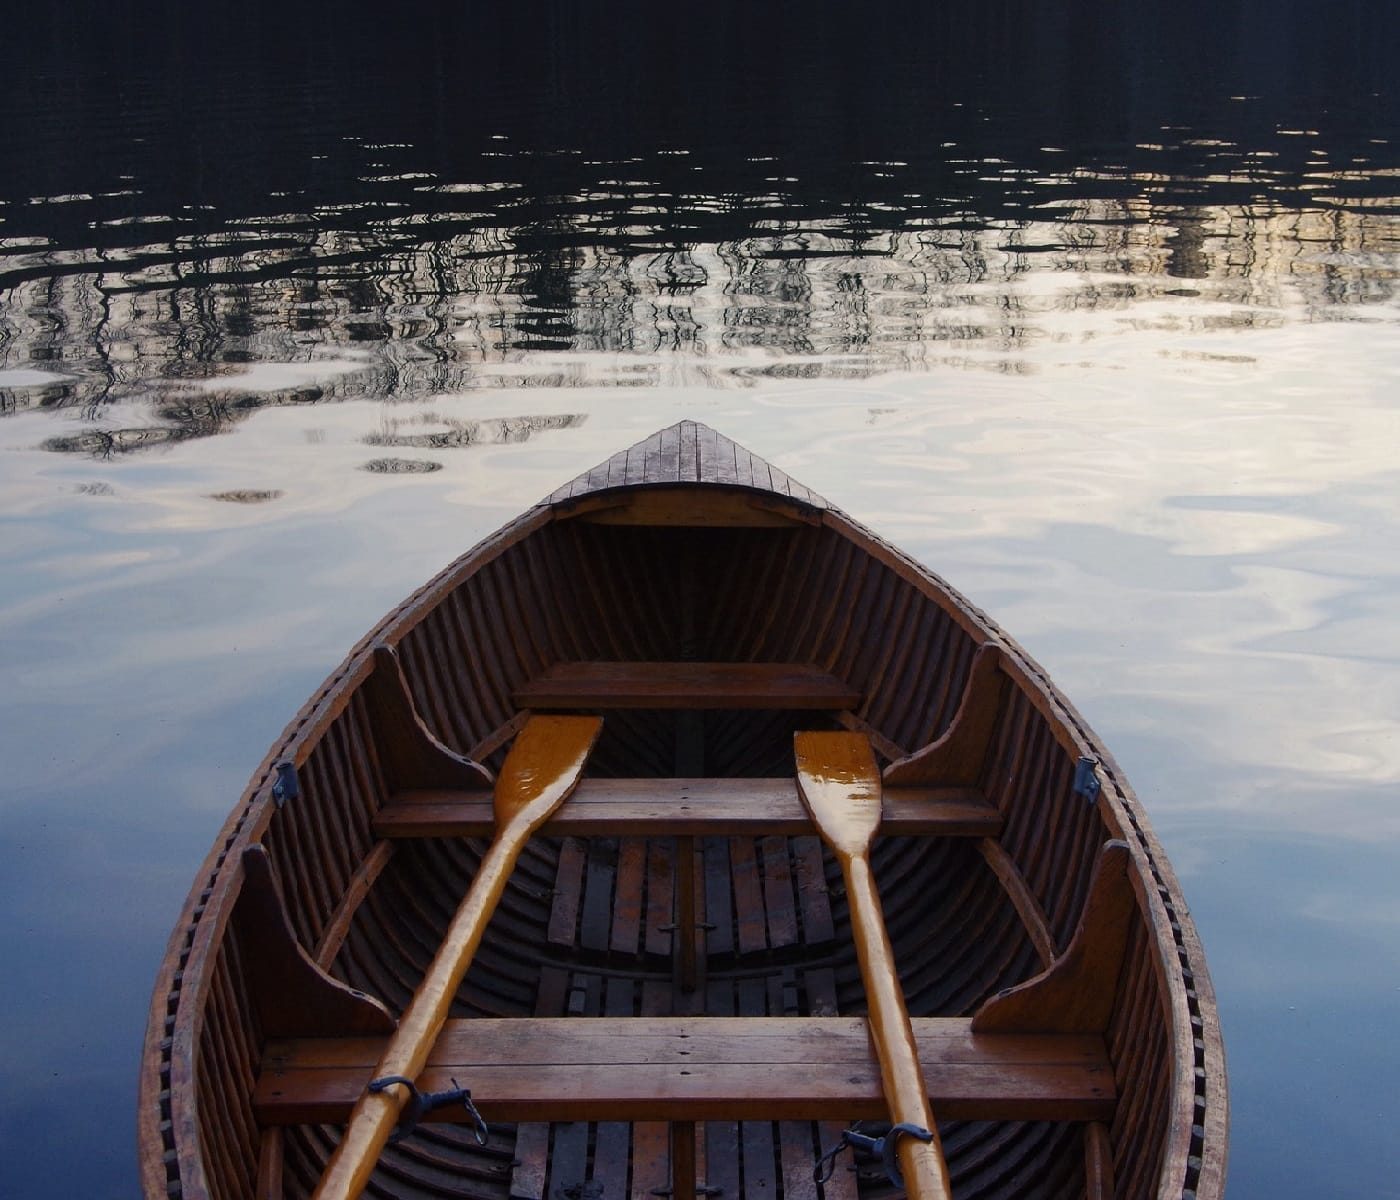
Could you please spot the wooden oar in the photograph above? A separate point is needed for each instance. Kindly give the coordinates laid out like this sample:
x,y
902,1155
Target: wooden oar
x,y
541,770
840,785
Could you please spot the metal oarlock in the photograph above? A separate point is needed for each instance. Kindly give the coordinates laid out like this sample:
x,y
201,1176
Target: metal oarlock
x,y
882,1148
421,1103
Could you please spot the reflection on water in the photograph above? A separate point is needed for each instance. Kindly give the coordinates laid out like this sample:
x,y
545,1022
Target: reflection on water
x,y
340,227
1096,318
437,300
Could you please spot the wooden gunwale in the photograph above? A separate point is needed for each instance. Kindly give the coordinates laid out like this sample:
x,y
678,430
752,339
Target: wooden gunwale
x,y
178,1009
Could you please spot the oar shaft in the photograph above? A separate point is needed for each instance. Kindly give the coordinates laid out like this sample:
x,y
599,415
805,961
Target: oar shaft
x,y
542,768
376,1113
922,1163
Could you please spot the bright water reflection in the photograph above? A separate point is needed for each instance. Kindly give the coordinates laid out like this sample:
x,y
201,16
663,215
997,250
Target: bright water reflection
x,y
1122,367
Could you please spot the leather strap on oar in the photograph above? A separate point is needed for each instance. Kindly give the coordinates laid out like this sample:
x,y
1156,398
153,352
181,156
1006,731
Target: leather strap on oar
x,y
840,785
542,768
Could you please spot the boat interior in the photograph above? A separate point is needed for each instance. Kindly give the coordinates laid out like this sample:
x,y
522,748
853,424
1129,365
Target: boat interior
x,y
667,1000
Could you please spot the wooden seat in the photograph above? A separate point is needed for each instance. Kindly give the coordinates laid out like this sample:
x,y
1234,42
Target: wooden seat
x,y
602,685
679,807
700,1068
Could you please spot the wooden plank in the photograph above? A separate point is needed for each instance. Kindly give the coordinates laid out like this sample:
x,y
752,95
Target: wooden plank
x,y
568,1158
688,807
797,1152
568,1154
651,1143
595,923
660,915
683,1160
798,1155
761,1172
668,466
778,903
411,754
707,461
290,994
820,985
602,685
1018,891
627,906
702,1068
612,1143
748,896
271,1157
958,755
722,1137
689,452
357,887
568,893
532,1139
813,897
719,904
692,507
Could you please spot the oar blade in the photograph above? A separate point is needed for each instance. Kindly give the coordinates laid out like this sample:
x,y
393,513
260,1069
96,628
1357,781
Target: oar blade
x,y
542,768
840,784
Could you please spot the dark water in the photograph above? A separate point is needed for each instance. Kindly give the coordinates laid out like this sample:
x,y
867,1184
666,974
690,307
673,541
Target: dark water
x,y
1091,308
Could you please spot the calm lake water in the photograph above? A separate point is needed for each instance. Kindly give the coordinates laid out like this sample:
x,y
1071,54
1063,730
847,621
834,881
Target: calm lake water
x,y
1097,319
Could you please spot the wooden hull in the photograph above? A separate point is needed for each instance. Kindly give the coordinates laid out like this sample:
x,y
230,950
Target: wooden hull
x,y
771,612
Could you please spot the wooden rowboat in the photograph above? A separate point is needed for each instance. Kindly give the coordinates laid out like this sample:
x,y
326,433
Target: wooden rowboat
x,y
665,951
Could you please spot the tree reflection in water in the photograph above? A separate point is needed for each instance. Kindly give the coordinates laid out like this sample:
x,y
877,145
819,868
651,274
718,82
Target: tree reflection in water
x,y
477,200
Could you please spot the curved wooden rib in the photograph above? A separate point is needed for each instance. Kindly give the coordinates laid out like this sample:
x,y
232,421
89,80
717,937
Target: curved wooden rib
x,y
1076,993
1022,898
840,785
293,995
413,758
955,759
543,766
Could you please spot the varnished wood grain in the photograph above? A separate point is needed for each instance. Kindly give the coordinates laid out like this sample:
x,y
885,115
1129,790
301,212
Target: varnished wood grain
x,y
543,767
701,1068
689,685
694,807
547,589
840,785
